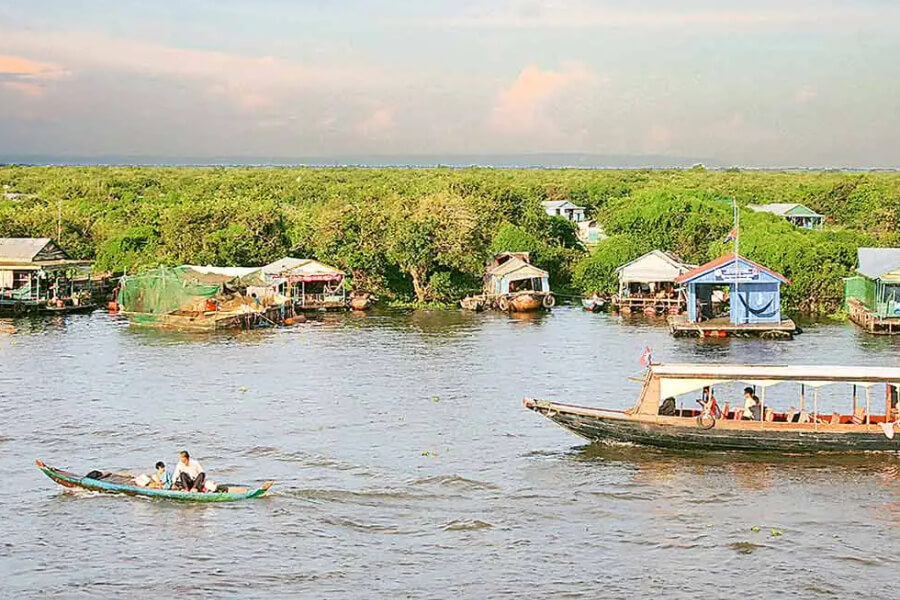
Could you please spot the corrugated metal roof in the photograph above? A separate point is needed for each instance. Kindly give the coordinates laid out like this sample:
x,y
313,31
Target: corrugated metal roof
x,y
559,204
283,264
518,266
300,267
876,262
656,265
21,249
785,209
722,261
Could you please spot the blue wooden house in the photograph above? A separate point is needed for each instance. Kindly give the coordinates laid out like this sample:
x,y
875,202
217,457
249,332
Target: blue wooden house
x,y
754,292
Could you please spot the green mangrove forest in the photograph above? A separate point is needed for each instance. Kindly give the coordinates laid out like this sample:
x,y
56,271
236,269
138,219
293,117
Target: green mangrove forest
x,y
424,235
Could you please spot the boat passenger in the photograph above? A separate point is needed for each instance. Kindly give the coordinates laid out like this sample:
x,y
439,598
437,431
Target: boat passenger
x,y
162,479
751,406
667,408
189,474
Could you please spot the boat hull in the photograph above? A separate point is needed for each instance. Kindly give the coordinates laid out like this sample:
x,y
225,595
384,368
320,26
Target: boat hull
x,y
685,433
526,303
70,480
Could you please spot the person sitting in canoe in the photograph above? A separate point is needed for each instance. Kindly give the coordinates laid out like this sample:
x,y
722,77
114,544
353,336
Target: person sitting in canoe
x,y
162,479
189,474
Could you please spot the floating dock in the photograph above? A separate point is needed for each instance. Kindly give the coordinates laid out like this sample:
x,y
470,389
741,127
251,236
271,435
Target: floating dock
x,y
723,327
871,322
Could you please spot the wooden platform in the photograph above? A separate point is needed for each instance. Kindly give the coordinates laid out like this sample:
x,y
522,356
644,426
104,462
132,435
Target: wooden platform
x,y
865,318
210,321
723,327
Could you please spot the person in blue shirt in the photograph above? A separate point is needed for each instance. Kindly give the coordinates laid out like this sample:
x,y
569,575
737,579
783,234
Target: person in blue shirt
x,y
162,478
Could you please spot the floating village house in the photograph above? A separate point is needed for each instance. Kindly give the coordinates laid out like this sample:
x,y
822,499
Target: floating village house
x,y
754,300
797,214
513,272
589,231
648,284
565,209
873,295
36,275
308,284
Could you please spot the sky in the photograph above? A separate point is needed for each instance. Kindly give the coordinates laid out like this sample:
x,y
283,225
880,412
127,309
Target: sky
x,y
802,83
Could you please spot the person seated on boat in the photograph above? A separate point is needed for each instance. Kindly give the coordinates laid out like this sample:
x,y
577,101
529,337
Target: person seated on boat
x,y
667,408
751,406
189,474
162,479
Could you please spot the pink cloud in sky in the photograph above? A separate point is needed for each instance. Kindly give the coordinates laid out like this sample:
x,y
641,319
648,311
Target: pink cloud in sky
x,y
26,76
24,67
521,108
25,87
380,121
249,82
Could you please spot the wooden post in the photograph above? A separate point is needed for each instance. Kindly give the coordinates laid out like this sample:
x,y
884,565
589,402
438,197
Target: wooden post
x,y
868,395
802,396
816,407
887,403
762,405
854,399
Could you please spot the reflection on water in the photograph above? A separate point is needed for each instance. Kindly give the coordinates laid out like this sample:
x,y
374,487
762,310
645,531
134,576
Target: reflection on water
x,y
406,466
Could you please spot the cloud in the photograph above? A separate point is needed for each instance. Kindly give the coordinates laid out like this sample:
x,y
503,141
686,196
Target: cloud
x,y
805,95
522,107
24,87
26,76
575,14
249,82
23,67
378,122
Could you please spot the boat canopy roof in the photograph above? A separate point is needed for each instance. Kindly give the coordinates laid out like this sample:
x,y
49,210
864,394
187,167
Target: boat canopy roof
x,y
676,379
800,373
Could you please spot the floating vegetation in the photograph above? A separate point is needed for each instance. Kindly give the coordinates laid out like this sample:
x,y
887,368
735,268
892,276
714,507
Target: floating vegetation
x,y
744,547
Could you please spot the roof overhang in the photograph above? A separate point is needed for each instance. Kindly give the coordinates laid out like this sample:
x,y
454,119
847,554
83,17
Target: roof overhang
x,y
40,265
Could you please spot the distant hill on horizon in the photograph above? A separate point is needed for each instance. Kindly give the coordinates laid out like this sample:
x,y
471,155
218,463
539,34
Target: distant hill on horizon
x,y
542,160
501,161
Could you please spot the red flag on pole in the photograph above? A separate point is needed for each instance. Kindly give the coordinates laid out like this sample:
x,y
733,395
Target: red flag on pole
x,y
645,357
732,235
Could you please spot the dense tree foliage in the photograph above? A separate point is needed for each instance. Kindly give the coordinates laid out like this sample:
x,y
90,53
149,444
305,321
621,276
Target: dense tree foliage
x,y
425,234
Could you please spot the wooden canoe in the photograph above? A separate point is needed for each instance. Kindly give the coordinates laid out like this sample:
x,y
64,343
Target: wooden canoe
x,y
116,485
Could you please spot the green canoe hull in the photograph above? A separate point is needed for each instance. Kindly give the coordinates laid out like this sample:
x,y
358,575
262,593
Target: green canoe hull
x,y
70,480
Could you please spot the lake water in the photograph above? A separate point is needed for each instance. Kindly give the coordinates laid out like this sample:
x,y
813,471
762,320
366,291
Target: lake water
x,y
407,467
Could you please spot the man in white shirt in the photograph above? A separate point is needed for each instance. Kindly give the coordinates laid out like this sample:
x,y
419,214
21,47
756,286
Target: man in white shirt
x,y
189,474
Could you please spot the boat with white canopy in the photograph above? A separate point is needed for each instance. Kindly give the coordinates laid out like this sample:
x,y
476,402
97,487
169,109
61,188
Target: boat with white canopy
x,y
761,422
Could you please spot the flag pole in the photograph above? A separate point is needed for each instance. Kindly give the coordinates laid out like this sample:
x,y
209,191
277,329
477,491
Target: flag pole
x,y
737,270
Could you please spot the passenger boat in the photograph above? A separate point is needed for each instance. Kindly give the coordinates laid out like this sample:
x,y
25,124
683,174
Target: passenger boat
x,y
864,429
124,484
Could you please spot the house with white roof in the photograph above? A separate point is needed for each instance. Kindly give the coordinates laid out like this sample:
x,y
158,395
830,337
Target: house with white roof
x,y
797,214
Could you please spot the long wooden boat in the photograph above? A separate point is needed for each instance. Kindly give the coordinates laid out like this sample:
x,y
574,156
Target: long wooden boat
x,y
124,484
697,428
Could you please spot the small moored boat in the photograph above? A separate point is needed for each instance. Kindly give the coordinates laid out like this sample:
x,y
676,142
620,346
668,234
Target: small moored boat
x,y
361,299
709,427
593,304
124,484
